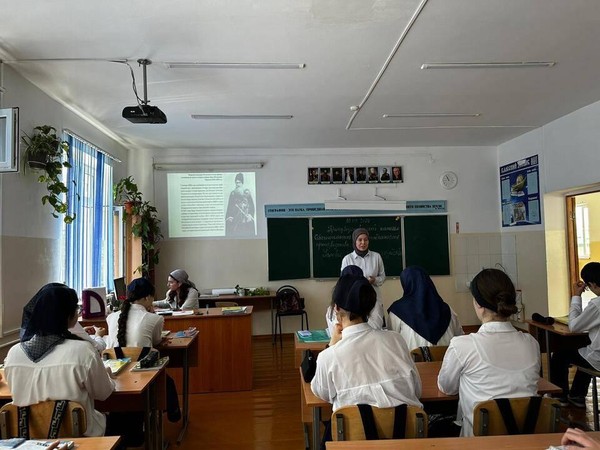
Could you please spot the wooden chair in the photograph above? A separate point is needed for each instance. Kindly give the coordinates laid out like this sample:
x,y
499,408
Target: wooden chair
x,y
521,416
595,374
433,353
352,423
225,304
40,416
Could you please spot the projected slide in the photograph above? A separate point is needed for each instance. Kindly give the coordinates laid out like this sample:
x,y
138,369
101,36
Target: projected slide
x,y
211,204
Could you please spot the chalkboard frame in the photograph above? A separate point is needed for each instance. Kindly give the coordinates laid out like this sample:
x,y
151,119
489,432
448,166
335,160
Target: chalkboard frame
x,y
436,258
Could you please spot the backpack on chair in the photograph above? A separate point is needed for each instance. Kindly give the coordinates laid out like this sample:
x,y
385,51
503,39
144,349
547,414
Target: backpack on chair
x,y
288,299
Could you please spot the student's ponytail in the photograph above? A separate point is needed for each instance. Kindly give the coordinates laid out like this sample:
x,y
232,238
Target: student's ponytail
x,y
122,323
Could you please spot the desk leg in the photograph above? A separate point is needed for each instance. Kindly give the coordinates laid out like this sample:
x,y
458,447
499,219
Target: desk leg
x,y
148,423
316,428
186,394
547,333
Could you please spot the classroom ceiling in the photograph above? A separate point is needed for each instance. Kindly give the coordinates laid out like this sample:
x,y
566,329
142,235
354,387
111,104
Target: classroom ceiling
x,y
365,54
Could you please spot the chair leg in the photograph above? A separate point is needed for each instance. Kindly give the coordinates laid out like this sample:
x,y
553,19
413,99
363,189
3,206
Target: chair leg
x,y
307,325
280,334
595,403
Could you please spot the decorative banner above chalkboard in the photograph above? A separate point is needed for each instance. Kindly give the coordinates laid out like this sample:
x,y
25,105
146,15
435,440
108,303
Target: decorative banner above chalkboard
x,y
355,175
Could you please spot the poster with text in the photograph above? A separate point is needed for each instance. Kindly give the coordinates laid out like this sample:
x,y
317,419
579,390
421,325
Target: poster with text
x,y
519,187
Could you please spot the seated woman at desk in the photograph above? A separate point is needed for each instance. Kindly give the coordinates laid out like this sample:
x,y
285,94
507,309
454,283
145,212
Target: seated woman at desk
x,y
182,293
496,362
421,316
51,363
349,372
580,320
135,325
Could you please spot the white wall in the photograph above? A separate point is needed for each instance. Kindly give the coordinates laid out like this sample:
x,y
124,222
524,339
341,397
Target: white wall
x,y
474,203
29,234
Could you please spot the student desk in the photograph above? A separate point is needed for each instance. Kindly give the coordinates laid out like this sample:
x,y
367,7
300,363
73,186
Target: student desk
x,y
428,371
135,391
517,442
96,443
183,353
224,350
555,337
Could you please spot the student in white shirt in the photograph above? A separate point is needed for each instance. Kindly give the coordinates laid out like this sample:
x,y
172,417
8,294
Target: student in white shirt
x,y
182,293
363,365
579,321
51,363
496,362
371,264
421,316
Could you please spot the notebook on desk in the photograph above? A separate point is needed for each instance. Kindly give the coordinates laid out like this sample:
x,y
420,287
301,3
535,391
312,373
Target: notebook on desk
x,y
562,319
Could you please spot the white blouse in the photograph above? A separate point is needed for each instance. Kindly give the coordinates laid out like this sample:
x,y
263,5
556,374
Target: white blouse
x,y
496,362
415,340
143,328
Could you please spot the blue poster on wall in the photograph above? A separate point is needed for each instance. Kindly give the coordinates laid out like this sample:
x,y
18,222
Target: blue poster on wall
x,y
519,186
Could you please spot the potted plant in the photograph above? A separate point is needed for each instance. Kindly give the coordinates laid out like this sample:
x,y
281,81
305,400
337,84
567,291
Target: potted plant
x,y
146,224
46,152
126,193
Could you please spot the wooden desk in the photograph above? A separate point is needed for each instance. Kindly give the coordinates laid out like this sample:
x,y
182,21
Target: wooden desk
x,y
518,442
96,443
182,352
135,391
300,347
224,350
556,337
428,371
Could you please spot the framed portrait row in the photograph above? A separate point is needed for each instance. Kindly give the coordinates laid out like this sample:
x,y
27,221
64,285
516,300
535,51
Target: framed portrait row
x,y
355,175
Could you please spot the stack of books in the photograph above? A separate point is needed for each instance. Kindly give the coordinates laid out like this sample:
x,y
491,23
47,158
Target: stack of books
x,y
226,310
313,336
116,365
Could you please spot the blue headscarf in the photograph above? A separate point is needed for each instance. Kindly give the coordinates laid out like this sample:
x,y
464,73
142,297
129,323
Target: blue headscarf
x,y
421,307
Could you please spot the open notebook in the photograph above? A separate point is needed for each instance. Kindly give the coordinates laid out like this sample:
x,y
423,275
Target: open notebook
x,y
562,319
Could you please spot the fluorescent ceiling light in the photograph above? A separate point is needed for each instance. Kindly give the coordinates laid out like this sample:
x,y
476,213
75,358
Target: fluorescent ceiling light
x,y
241,116
209,166
383,205
488,65
390,116
248,65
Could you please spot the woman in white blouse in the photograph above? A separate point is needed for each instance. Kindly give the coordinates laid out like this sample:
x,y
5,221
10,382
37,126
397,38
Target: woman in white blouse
x,y
496,362
371,264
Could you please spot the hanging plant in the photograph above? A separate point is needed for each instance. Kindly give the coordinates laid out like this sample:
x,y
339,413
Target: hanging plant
x,y
46,153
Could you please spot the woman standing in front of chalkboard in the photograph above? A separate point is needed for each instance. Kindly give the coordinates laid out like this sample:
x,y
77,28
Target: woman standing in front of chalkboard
x,y
371,264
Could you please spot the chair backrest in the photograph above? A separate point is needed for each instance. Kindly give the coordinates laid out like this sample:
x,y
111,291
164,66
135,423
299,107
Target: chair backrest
x,y
225,304
433,353
135,353
352,423
36,420
288,299
522,415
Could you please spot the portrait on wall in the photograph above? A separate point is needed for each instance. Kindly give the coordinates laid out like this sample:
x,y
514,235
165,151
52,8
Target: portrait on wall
x,y
397,174
313,175
349,175
361,174
337,175
384,175
373,174
325,176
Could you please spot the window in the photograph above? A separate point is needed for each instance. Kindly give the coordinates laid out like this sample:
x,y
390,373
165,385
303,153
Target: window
x,y
583,230
89,239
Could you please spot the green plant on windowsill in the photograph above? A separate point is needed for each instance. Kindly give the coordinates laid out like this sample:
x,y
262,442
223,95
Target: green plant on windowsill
x,y
126,193
46,153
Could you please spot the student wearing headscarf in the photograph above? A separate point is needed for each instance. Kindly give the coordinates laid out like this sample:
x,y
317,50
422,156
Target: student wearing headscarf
x,y
421,316
182,293
496,362
361,364
371,264
92,334
51,363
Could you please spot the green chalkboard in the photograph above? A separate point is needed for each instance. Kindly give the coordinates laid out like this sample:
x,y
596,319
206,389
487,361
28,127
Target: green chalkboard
x,y
288,243
426,243
332,240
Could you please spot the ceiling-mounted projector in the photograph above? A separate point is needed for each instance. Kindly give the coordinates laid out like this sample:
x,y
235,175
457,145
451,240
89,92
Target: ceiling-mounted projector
x,y
143,112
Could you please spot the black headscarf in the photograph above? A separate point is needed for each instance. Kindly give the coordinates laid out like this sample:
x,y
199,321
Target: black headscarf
x,y
355,234
421,307
45,321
